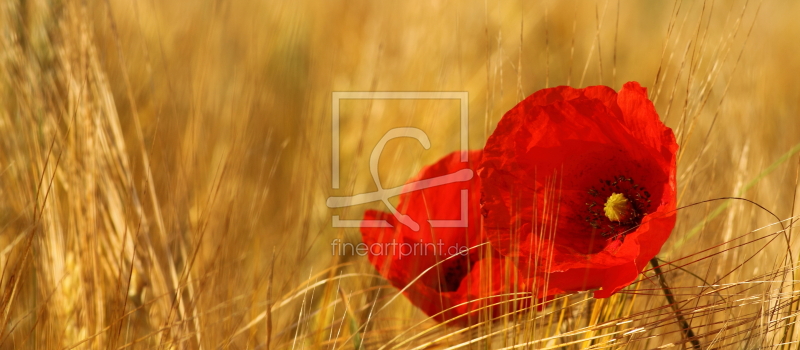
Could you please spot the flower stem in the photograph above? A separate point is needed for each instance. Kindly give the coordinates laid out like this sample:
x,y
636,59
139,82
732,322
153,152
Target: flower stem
x,y
685,327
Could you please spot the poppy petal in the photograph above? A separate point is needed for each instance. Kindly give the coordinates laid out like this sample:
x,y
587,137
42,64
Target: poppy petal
x,y
430,264
550,166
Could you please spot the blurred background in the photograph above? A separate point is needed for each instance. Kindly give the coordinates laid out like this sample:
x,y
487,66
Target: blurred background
x,y
164,166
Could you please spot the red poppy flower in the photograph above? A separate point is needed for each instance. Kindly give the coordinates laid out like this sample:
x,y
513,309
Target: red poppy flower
x,y
403,255
579,186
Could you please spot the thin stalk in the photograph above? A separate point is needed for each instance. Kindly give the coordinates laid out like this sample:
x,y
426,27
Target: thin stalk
x,y
685,327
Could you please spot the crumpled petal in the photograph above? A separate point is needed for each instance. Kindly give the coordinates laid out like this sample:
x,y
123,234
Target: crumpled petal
x,y
410,253
542,160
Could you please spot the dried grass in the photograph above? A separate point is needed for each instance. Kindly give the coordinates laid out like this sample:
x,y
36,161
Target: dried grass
x,y
164,167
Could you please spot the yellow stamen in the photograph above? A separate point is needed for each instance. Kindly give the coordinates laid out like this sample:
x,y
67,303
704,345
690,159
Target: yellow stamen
x,y
617,207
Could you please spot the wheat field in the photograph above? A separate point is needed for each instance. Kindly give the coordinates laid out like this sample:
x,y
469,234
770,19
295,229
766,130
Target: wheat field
x,y
164,167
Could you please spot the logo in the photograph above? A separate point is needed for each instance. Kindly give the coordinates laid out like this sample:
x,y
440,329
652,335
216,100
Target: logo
x,y
383,194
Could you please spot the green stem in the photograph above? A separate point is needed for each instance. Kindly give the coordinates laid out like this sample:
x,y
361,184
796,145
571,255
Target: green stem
x,y
685,327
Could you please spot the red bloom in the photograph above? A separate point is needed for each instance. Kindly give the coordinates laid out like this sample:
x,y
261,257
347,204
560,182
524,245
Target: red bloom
x,y
579,187
402,255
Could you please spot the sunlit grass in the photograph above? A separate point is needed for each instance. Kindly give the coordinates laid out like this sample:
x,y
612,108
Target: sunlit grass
x,y
164,167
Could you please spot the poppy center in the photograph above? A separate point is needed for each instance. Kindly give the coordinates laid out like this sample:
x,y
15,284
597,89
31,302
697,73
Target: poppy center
x,y
617,207
452,272
626,202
